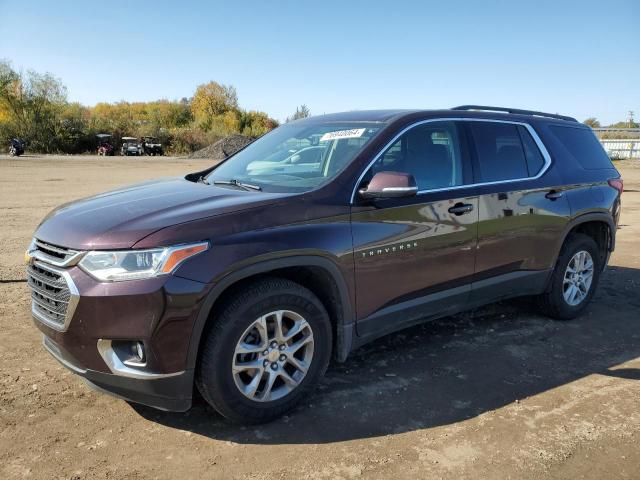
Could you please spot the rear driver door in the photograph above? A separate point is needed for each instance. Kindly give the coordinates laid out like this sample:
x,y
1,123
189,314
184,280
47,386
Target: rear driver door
x,y
522,206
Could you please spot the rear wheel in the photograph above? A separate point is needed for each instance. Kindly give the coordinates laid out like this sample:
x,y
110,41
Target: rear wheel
x,y
269,345
574,278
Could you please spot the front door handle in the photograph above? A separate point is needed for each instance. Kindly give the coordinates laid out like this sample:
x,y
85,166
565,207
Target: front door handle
x,y
554,195
461,208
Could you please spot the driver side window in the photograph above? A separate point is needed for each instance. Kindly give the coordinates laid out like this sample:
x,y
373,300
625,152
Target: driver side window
x,y
430,152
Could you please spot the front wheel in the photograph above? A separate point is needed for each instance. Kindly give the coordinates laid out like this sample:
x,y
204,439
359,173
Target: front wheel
x,y
574,279
267,347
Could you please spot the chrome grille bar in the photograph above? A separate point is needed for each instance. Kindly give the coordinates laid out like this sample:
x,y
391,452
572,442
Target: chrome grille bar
x,y
55,255
57,310
47,246
61,297
54,296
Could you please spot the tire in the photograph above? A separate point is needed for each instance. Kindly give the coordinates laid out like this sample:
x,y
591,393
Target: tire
x,y
554,302
215,377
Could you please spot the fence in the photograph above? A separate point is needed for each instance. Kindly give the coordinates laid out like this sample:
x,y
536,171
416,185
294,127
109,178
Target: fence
x,y
621,148
626,147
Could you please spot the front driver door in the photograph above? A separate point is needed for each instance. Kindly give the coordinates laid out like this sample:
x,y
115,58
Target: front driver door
x,y
414,256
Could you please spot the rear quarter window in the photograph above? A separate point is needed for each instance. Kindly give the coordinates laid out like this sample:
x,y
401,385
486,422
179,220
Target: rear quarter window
x,y
582,144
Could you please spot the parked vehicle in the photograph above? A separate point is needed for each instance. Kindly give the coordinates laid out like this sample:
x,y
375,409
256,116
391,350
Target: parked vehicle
x,y
246,280
105,148
151,146
16,147
131,146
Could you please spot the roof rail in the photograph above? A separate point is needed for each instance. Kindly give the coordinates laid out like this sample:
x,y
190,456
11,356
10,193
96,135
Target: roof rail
x,y
514,110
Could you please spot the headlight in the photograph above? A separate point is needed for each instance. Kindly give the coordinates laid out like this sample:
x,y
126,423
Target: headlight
x,y
121,265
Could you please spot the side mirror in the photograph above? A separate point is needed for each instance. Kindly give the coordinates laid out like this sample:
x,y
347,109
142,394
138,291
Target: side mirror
x,y
390,185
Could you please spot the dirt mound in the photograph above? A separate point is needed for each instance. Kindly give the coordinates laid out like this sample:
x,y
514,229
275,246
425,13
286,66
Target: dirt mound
x,y
222,148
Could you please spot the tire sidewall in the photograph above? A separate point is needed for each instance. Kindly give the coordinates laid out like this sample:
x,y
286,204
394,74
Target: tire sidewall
x,y
575,245
223,388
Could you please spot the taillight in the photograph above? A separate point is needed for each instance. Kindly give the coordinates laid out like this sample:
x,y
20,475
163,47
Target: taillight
x,y
617,184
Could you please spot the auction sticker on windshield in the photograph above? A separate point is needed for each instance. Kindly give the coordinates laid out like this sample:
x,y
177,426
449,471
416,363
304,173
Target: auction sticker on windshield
x,y
353,133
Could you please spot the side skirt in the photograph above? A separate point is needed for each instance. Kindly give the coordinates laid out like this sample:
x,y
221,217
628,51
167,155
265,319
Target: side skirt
x,y
449,302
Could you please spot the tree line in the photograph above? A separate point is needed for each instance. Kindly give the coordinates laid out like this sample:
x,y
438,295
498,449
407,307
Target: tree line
x,y
34,107
630,123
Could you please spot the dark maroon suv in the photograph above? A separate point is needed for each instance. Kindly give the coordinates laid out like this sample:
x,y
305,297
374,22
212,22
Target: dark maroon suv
x,y
246,279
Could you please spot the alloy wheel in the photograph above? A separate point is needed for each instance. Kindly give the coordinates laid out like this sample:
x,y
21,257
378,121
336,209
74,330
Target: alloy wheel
x,y
273,356
577,278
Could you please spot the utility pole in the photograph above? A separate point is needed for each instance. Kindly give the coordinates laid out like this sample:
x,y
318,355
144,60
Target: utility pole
x,y
630,118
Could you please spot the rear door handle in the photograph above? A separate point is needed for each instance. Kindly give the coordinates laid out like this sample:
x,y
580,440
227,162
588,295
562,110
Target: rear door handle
x,y
554,195
461,208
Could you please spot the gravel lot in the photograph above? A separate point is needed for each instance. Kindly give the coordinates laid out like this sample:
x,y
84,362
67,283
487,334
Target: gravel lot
x,y
498,393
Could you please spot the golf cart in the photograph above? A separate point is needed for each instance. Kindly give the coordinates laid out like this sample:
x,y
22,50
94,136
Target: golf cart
x,y
104,145
16,147
131,146
151,146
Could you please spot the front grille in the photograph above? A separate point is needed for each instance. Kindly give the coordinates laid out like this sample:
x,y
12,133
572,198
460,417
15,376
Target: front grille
x,y
53,254
50,294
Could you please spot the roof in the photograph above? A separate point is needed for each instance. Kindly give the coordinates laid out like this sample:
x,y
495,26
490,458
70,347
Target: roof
x,y
518,111
465,111
359,116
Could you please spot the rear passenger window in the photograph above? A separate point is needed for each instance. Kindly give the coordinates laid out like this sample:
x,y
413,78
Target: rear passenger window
x,y
582,144
535,160
499,150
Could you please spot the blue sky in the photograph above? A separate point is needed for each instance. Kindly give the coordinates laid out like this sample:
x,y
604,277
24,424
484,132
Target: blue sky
x,y
580,58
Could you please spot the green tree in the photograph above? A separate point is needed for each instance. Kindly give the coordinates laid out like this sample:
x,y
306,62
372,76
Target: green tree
x,y
73,134
592,122
301,112
627,124
32,103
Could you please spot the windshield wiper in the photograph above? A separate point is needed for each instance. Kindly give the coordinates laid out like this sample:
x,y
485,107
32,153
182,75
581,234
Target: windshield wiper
x,y
237,183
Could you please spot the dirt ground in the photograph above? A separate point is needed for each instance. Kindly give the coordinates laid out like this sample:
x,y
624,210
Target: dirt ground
x,y
498,393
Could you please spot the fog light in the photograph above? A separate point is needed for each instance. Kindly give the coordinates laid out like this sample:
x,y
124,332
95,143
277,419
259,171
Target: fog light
x,y
130,352
139,351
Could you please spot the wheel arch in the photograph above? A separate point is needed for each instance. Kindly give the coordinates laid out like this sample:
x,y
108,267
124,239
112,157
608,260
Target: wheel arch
x,y
598,226
320,275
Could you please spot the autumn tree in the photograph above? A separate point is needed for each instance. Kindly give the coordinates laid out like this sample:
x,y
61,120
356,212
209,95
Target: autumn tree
x,y
212,100
256,124
34,107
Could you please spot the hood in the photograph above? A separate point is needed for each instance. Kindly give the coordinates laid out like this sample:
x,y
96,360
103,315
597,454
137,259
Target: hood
x,y
120,218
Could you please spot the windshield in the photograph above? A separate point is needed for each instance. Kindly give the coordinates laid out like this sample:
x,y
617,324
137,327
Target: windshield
x,y
297,158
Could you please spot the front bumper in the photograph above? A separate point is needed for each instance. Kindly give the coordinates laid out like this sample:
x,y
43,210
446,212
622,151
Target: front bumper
x,y
159,313
171,392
